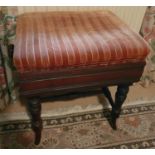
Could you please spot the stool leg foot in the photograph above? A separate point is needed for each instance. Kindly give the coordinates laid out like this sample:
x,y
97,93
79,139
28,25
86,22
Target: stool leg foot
x,y
120,96
34,107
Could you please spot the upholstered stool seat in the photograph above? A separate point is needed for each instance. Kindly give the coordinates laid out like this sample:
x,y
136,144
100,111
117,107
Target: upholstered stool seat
x,y
47,41
69,51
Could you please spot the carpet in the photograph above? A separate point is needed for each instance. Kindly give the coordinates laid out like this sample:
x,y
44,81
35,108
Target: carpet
x,y
136,129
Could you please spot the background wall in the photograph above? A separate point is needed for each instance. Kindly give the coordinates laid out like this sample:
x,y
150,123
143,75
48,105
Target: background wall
x,y
132,15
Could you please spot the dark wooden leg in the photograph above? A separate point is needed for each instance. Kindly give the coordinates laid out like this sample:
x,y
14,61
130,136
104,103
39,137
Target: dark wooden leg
x,y
120,97
107,94
34,107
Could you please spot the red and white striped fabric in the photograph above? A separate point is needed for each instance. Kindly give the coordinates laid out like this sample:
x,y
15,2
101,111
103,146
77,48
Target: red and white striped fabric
x,y
70,39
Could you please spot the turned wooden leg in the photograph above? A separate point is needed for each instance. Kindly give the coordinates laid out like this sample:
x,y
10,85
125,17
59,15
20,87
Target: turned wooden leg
x,y
120,97
107,94
34,107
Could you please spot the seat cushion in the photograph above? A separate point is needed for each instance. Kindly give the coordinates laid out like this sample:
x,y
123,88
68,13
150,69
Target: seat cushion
x,y
57,40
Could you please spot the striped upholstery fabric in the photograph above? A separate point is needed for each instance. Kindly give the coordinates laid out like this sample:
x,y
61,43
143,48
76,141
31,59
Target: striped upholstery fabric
x,y
55,40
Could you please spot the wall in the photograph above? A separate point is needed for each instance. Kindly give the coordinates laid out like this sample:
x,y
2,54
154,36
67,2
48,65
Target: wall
x,y
132,15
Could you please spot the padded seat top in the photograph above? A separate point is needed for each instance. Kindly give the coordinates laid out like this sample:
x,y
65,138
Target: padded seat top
x,y
52,40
